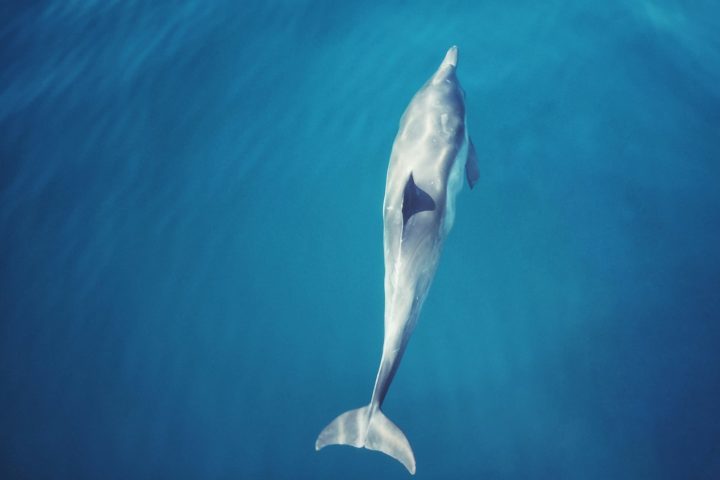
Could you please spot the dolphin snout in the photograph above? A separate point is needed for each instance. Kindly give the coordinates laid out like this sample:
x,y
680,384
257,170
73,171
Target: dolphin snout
x,y
451,57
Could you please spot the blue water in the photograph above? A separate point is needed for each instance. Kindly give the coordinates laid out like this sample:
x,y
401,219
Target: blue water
x,y
191,240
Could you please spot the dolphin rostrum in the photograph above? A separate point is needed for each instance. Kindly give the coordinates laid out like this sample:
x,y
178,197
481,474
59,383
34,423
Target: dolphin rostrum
x,y
431,149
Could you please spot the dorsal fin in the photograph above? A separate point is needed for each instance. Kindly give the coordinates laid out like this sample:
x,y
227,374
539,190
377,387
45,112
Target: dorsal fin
x,y
415,200
472,172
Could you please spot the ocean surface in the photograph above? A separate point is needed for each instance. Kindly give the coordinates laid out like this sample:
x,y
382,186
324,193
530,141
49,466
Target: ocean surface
x,y
191,269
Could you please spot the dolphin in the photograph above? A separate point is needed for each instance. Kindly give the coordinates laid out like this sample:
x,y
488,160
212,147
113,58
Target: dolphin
x,y
431,150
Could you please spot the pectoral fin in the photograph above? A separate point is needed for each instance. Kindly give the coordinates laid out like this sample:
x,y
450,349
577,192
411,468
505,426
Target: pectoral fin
x,y
472,172
415,200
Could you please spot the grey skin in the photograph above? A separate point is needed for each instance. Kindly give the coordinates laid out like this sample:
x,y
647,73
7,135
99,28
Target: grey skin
x,y
431,150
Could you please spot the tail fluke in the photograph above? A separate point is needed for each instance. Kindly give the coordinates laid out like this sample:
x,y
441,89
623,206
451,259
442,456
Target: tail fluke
x,y
370,429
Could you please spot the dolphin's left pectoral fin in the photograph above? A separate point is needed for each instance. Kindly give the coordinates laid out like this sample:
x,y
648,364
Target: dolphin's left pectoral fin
x,y
415,200
472,172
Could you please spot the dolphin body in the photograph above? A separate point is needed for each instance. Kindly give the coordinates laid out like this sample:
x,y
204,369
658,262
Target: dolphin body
x,y
431,150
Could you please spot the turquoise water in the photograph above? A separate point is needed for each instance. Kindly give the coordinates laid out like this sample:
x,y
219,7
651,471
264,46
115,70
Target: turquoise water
x,y
191,240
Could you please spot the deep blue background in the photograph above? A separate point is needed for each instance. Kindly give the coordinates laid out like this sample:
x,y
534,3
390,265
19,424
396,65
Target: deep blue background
x,y
191,239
